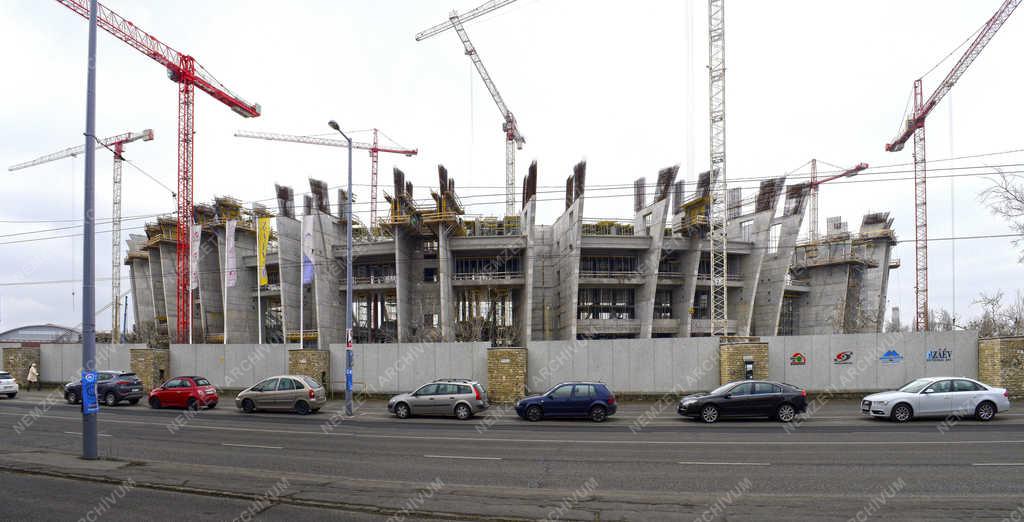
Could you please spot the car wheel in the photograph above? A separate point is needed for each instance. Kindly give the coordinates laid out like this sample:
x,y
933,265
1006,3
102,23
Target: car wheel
x,y
902,413
402,410
211,405
192,404
248,406
302,407
12,395
133,402
154,403
462,412
598,414
785,413
709,413
985,411
71,397
534,414
110,399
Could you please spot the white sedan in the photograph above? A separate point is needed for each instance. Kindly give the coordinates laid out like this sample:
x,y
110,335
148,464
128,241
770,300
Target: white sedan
x,y
938,396
8,386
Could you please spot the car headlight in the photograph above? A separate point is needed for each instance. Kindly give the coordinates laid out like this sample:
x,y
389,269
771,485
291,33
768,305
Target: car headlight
x,y
883,403
688,402
518,403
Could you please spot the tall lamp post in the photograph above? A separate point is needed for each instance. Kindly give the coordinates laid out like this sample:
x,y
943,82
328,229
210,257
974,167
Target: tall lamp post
x,y
348,275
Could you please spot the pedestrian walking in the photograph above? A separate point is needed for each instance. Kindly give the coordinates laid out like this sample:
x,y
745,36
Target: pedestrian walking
x,y
33,378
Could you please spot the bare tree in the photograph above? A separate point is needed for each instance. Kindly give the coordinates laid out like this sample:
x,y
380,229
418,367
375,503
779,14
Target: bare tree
x,y
1005,198
998,319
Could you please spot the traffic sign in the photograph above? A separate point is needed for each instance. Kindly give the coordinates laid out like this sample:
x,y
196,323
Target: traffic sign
x,y
90,404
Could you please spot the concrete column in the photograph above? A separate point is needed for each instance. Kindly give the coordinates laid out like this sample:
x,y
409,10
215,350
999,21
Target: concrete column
x,y
649,262
444,278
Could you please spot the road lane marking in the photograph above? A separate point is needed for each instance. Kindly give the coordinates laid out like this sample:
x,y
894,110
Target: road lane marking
x,y
998,464
79,433
251,446
460,457
725,463
249,429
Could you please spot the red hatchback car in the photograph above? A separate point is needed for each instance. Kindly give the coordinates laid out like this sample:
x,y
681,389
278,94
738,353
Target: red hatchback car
x,y
184,392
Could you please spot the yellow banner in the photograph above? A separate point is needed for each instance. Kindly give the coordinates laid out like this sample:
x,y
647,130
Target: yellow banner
x,y
262,237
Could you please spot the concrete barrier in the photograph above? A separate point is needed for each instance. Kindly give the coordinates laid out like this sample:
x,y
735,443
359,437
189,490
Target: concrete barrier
x,y
231,366
868,368
629,366
60,363
401,367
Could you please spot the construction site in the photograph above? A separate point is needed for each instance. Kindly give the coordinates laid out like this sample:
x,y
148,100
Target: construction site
x,y
432,273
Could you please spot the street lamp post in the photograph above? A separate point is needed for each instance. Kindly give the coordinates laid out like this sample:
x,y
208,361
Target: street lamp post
x,y
348,275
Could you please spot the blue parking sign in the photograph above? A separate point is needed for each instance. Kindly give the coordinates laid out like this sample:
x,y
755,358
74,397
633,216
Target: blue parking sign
x,y
90,405
348,378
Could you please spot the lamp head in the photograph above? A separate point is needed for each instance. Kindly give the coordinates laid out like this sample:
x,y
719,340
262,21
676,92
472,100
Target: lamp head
x,y
334,125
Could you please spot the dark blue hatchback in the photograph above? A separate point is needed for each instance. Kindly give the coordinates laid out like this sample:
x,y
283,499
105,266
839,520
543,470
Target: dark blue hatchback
x,y
570,399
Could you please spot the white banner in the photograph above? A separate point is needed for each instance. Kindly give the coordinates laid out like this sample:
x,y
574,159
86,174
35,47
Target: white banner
x,y
231,275
194,235
307,250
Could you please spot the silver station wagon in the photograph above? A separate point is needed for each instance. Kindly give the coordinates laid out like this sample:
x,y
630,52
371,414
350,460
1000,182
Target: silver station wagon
x,y
461,398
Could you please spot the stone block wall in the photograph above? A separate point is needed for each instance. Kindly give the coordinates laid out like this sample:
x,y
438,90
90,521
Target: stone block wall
x,y
506,374
1001,363
152,365
18,360
731,361
314,363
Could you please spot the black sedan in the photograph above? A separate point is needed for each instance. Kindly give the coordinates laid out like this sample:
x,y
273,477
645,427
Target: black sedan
x,y
774,400
112,387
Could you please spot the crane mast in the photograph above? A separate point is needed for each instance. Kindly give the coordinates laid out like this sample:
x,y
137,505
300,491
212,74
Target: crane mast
x,y
513,139
117,142
915,128
718,216
189,75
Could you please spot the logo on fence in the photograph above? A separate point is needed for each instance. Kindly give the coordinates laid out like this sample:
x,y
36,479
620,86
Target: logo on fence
x,y
797,359
892,356
843,357
940,355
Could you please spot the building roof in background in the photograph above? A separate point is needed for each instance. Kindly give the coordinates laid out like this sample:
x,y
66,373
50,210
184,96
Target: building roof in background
x,y
41,333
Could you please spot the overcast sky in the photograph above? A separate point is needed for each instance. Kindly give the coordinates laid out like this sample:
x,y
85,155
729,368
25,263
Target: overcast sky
x,y
599,80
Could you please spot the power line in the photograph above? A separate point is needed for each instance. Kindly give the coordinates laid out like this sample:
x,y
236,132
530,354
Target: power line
x,y
534,257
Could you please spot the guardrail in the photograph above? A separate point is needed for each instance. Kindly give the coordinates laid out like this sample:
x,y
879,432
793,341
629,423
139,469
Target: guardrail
x,y
609,273
486,276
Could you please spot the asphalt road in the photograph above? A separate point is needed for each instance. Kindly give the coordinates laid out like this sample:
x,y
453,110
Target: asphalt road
x,y
830,465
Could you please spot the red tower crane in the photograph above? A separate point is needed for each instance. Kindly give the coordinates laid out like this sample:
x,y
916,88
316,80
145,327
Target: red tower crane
x,y
374,149
915,128
812,225
188,74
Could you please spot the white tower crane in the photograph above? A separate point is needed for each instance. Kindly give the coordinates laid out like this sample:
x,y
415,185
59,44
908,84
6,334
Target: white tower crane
x,y
116,145
513,139
717,220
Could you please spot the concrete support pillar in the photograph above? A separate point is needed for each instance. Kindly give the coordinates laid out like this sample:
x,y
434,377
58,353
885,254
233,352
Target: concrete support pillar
x,y
1001,363
151,365
732,358
17,361
506,374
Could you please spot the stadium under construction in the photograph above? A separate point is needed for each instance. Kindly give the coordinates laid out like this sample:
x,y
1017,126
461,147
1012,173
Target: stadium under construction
x,y
431,272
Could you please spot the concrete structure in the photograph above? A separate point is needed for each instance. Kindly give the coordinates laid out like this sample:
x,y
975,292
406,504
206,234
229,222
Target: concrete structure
x,y
430,273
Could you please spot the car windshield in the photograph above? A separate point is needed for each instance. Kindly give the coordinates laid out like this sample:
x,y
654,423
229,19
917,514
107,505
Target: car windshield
x,y
721,389
311,382
202,382
915,386
5,375
553,388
